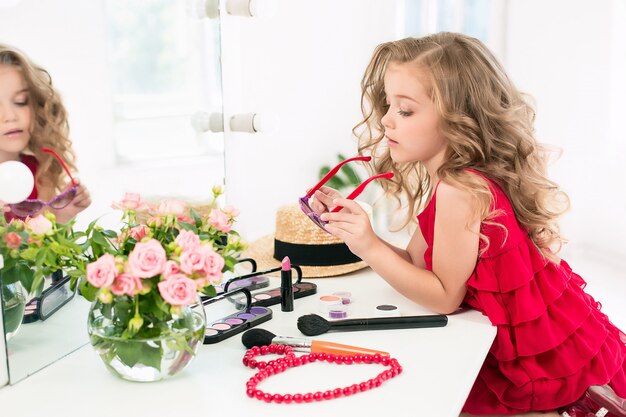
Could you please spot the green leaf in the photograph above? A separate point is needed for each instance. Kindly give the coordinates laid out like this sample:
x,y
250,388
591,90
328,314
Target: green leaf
x,y
98,238
209,291
352,177
336,182
87,290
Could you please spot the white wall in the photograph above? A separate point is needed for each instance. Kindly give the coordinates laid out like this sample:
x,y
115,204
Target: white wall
x,y
304,65
570,55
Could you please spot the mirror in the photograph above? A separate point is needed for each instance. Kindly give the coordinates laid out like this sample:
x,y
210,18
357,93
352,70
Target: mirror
x,y
131,75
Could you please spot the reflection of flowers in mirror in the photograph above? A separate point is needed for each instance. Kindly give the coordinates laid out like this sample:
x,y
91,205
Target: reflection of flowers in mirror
x,y
31,250
35,248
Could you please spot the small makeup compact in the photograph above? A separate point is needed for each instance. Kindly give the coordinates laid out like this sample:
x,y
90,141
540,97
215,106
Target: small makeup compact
x,y
232,324
271,297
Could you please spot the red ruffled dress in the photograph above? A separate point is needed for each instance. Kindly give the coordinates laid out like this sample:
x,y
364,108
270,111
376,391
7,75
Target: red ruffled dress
x,y
552,340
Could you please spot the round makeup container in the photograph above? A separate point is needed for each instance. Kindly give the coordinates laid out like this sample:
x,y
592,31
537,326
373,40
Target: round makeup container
x,y
328,302
346,297
337,312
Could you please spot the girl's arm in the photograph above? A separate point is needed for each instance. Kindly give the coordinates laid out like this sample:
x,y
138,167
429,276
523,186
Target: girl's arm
x,y
455,250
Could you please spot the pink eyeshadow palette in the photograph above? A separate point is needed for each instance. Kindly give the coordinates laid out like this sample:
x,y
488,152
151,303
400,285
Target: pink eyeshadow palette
x,y
235,323
225,327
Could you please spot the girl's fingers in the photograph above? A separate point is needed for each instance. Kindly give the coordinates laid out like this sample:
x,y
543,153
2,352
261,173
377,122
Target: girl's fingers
x,y
325,199
330,191
349,205
341,216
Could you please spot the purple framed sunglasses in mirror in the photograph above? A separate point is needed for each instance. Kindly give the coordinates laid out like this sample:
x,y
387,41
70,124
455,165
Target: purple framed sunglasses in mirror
x,y
304,201
31,206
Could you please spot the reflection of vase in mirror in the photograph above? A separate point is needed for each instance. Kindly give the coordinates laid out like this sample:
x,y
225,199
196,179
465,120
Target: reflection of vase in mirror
x,y
13,303
130,81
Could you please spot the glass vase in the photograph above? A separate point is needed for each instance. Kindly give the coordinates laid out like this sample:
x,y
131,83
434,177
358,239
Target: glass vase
x,y
159,350
13,303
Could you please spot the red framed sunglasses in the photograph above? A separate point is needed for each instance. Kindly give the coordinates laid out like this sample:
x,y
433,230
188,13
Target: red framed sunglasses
x,y
31,206
304,201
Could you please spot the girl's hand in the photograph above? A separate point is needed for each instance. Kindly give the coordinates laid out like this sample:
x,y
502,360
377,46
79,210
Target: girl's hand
x,y
4,207
78,204
323,199
352,225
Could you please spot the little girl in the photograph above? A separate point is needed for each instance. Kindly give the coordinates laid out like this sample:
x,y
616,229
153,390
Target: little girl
x,y
441,113
32,118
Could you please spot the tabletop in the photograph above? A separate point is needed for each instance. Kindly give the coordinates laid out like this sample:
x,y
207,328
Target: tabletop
x,y
439,368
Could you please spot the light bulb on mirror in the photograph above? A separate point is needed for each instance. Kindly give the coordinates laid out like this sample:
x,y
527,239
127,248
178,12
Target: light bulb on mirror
x,y
16,182
251,8
203,9
204,122
254,123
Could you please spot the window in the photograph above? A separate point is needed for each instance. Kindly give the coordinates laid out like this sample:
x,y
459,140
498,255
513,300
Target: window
x,y
482,19
164,67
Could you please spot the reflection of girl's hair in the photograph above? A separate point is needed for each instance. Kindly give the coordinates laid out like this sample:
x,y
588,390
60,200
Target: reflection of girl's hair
x,y
49,126
488,125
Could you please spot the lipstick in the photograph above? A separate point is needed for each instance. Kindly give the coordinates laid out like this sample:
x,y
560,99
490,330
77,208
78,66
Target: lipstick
x,y
286,286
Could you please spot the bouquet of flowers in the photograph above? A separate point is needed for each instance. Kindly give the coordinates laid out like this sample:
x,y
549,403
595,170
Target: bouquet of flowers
x,y
145,280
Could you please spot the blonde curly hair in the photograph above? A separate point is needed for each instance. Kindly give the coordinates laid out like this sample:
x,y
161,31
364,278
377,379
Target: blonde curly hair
x,y
50,127
489,127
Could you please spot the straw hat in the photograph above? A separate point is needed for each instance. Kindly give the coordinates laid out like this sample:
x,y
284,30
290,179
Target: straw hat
x,y
317,252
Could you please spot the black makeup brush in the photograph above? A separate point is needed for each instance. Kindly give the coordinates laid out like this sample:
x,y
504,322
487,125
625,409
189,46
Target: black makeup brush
x,y
262,337
313,325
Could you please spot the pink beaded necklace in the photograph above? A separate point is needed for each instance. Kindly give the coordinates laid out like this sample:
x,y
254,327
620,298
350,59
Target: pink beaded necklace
x,y
273,367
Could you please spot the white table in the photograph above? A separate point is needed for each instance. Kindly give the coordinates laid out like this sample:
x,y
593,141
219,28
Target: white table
x,y
440,365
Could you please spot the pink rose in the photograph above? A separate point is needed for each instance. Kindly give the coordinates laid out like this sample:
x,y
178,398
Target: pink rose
x,y
102,272
219,220
39,225
13,240
184,219
147,259
139,232
171,268
175,207
202,259
126,284
131,201
230,211
187,239
178,290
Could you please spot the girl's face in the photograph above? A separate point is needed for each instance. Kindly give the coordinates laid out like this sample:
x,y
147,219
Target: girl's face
x,y
15,113
411,122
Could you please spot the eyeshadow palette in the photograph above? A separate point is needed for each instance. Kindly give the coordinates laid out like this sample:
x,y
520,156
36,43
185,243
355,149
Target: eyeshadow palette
x,y
272,297
235,323
251,283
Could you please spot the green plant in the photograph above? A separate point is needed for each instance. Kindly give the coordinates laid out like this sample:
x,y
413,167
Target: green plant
x,y
347,177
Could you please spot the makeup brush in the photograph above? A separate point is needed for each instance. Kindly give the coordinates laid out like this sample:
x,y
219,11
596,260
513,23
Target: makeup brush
x,y
262,337
313,325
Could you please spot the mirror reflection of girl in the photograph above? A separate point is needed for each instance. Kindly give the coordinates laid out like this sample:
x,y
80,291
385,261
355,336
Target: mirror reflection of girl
x,y
441,113
33,117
